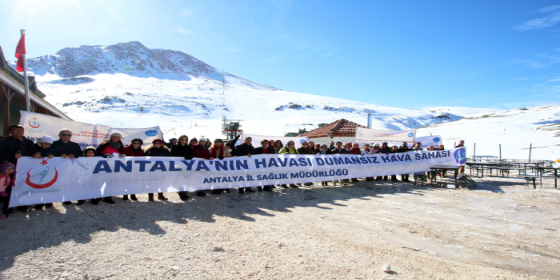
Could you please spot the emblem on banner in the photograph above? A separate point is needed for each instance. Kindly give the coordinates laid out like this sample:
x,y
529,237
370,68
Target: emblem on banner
x,y
151,133
43,175
460,156
411,134
436,139
34,123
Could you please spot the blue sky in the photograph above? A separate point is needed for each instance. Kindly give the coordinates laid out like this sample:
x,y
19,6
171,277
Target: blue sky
x,y
409,54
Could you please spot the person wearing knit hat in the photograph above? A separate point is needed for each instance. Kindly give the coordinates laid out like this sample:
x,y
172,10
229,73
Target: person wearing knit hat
x,y
6,174
157,149
88,152
201,151
383,150
172,141
43,147
182,149
115,134
133,150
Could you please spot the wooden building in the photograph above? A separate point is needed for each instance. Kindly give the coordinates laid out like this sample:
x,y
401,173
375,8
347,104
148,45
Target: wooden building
x,y
340,130
12,97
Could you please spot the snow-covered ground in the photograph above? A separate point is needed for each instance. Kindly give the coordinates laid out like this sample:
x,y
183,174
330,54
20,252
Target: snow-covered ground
x,y
514,129
129,85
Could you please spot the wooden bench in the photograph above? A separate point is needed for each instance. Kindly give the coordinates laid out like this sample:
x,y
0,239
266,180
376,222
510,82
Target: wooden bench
x,y
532,178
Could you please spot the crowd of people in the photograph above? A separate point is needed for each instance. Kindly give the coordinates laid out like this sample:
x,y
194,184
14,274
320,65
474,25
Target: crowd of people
x,y
16,146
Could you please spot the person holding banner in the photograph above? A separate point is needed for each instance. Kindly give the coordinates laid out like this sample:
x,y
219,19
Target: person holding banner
x,y
383,150
278,146
108,149
201,151
157,149
16,146
133,150
112,146
65,148
184,150
404,149
266,150
394,150
245,149
89,152
365,152
43,148
218,151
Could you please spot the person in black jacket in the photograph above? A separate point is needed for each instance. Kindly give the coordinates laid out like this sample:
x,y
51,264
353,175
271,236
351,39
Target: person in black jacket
x,y
305,149
157,149
172,141
65,148
11,149
267,150
264,149
182,149
383,150
339,149
394,150
245,149
404,149
16,146
44,148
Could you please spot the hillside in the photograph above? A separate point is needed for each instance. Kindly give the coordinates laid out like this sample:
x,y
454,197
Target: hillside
x,y
130,85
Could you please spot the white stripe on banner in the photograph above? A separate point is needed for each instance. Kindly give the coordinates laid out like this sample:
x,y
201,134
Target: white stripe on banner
x,y
57,179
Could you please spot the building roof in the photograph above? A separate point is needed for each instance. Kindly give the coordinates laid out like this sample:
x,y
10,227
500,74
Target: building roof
x,y
15,80
339,128
9,71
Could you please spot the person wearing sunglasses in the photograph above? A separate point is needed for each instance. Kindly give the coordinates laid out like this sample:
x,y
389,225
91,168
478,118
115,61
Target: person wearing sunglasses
x,y
157,149
278,145
65,148
265,149
182,149
305,150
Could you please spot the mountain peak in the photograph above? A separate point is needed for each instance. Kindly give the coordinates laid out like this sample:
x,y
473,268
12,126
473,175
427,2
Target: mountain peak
x,y
130,58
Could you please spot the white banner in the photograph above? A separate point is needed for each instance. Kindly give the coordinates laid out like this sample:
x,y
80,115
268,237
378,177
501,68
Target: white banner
x,y
54,180
258,138
428,140
372,136
39,125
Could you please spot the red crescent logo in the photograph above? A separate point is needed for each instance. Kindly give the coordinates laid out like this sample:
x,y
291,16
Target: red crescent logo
x,y
41,186
32,125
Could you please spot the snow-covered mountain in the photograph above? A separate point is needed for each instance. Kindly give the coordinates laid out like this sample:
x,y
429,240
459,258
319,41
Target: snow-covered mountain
x,y
130,85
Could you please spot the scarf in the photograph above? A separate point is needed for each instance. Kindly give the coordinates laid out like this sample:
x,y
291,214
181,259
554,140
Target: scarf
x,y
217,152
115,145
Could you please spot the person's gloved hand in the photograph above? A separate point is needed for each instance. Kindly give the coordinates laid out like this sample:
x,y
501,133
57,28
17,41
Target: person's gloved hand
x,y
108,155
122,155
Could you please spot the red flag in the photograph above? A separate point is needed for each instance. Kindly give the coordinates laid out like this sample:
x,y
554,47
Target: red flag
x,y
19,51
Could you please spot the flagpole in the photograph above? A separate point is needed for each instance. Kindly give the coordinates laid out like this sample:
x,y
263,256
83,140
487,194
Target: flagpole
x,y
26,80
